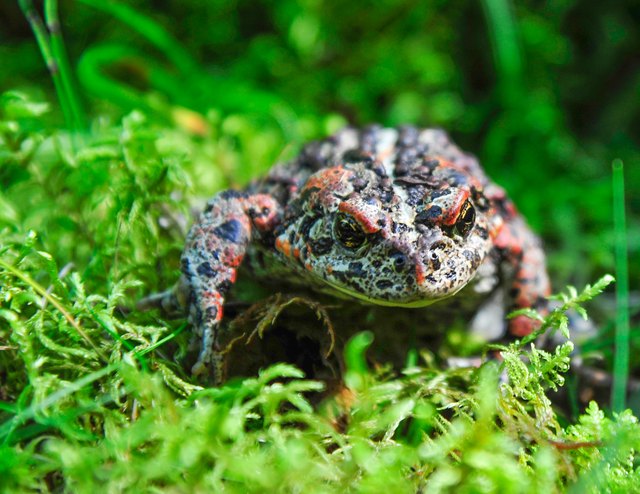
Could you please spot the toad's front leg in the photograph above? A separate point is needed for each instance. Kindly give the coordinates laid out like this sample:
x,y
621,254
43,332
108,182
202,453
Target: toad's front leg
x,y
215,247
522,251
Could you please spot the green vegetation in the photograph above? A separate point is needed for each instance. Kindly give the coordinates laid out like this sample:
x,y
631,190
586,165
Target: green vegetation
x,y
149,111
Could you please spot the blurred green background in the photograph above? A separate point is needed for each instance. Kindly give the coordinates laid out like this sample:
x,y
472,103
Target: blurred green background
x,y
545,93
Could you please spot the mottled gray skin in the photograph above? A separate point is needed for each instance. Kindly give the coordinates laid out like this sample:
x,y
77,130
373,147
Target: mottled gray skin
x,y
395,217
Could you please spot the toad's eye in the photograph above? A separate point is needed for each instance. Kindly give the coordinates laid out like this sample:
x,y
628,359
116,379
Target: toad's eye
x,y
466,219
349,232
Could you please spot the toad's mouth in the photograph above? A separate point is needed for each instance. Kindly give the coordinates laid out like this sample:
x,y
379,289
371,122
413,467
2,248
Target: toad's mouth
x,y
424,301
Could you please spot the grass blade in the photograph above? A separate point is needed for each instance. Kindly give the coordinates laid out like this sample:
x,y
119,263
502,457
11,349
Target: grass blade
x,y
44,43
62,61
506,50
621,363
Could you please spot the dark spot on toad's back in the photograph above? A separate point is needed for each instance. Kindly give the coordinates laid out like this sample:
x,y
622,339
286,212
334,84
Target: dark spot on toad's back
x,y
456,179
232,194
378,169
231,231
430,216
205,269
386,195
357,156
439,193
431,163
371,200
415,195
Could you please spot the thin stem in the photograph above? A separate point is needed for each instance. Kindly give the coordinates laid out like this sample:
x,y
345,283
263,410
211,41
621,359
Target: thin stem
x,y
42,38
161,342
621,363
60,56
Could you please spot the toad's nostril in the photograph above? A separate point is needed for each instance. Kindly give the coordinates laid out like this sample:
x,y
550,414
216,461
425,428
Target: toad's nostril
x,y
435,261
399,261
